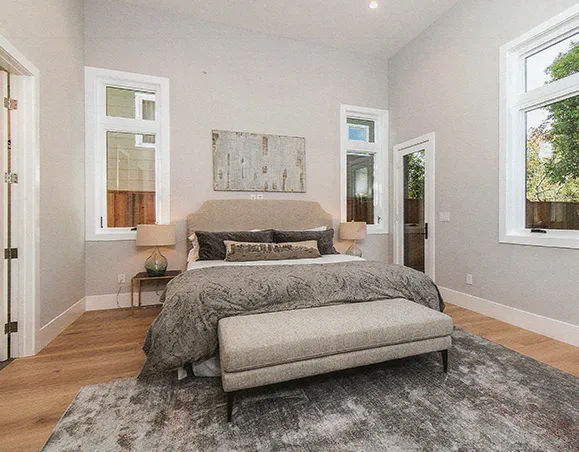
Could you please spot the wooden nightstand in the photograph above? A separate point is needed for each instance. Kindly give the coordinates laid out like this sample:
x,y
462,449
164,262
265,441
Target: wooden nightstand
x,y
144,276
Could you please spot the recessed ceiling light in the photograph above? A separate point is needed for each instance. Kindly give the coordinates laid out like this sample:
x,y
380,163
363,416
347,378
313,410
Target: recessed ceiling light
x,y
373,5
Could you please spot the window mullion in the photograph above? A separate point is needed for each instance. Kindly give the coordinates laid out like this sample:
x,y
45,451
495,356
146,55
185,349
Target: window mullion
x,y
548,94
130,125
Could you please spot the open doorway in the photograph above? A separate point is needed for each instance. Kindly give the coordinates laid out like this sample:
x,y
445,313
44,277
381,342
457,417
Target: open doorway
x,y
5,314
414,201
18,203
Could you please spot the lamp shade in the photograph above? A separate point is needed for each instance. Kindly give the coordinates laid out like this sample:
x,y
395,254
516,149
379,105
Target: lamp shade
x,y
353,230
155,235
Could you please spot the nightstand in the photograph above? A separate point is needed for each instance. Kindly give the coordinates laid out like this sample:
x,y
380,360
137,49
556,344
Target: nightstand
x,y
144,276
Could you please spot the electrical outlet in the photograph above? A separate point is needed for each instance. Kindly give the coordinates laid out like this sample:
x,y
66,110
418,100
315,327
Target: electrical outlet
x,y
444,216
259,196
121,278
469,279
251,196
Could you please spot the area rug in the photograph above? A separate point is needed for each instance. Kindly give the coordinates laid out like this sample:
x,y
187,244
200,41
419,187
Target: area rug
x,y
491,399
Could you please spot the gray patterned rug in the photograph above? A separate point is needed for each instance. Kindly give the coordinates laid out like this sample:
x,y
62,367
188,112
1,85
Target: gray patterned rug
x,y
492,399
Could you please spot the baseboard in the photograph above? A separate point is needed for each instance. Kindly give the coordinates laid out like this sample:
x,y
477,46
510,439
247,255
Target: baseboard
x,y
53,328
556,329
109,301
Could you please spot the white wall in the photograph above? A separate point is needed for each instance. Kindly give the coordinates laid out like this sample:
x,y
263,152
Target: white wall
x,y
447,81
50,34
225,78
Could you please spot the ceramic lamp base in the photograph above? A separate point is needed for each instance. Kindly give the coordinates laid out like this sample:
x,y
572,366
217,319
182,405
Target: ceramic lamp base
x,y
156,263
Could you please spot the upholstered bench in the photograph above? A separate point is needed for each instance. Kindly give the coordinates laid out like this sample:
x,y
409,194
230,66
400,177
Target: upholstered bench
x,y
262,349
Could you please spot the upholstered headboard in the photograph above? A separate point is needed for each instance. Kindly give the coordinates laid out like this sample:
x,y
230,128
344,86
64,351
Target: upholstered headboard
x,y
247,214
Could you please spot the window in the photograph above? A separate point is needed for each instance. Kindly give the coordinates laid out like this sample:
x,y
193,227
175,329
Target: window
x,y
127,153
539,202
364,167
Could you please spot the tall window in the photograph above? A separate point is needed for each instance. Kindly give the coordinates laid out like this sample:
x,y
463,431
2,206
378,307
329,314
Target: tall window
x,y
127,122
364,162
540,135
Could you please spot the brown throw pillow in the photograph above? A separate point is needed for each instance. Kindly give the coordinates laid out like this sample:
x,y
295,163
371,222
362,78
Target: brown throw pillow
x,y
325,239
244,251
212,248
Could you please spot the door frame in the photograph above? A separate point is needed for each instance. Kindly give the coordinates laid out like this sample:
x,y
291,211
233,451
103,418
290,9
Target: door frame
x,y
426,142
25,151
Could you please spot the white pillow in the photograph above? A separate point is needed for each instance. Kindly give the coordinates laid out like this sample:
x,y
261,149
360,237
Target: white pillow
x,y
194,253
319,228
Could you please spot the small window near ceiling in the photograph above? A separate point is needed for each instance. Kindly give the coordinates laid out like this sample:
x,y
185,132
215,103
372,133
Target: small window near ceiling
x,y
361,130
364,166
127,153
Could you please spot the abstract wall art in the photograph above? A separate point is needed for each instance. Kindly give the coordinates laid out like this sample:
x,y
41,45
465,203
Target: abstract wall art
x,y
245,161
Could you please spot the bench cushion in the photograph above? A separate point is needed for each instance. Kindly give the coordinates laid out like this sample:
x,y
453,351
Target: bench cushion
x,y
262,340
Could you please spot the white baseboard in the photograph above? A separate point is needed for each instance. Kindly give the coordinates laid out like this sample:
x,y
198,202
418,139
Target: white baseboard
x,y
90,303
53,328
109,301
556,329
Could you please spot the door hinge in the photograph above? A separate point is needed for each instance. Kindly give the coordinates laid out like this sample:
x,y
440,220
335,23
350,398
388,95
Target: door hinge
x,y
10,104
10,253
11,327
11,178
425,231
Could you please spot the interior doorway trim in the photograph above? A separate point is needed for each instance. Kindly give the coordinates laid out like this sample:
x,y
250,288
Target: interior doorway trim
x,y
25,151
426,142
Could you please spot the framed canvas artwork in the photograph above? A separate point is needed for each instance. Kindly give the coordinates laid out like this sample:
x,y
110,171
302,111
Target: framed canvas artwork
x,y
245,161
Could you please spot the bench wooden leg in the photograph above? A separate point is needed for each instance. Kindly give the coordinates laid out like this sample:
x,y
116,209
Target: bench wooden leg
x,y
445,360
230,396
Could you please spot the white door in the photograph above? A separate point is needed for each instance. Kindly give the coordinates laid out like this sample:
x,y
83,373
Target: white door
x,y
414,204
3,147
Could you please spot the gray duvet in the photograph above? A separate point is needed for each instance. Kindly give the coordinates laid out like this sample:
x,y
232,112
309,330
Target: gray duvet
x,y
186,329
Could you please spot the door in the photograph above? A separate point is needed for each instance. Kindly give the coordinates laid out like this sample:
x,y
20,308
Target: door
x,y
414,201
3,146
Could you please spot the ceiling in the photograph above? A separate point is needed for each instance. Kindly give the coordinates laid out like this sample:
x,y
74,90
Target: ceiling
x,y
343,24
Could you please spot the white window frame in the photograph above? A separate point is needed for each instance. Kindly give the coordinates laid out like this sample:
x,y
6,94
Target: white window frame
x,y
139,98
515,102
379,150
97,125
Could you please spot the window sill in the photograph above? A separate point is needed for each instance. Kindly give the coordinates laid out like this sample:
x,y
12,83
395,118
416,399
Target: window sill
x,y
377,231
552,239
111,236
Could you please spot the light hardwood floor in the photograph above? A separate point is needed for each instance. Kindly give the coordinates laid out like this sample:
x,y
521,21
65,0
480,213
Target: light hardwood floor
x,y
106,345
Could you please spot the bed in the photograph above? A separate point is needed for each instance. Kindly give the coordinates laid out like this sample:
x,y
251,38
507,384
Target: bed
x,y
185,332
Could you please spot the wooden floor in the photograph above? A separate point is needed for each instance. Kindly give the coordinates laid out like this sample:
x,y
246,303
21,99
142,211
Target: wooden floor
x,y
106,345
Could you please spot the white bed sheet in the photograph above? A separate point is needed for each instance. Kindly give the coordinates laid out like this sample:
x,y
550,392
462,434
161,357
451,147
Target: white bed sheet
x,y
325,259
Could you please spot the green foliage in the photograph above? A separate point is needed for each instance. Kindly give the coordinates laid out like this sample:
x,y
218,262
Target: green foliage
x,y
564,122
556,178
415,172
539,186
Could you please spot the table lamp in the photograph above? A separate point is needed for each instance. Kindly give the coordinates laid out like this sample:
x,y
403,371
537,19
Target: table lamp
x,y
353,230
156,235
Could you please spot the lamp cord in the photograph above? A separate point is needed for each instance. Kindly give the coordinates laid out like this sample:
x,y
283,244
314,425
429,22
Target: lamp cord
x,y
118,292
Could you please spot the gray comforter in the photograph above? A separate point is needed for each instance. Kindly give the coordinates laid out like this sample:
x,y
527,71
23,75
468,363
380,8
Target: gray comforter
x,y
186,329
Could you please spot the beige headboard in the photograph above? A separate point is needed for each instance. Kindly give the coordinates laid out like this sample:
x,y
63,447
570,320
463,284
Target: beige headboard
x,y
246,214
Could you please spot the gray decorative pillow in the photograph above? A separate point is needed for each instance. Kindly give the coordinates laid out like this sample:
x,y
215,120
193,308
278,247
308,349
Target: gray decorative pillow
x,y
244,251
212,248
325,239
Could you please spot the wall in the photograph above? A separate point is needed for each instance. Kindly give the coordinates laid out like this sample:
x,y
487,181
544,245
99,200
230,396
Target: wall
x,y
50,34
447,81
225,78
